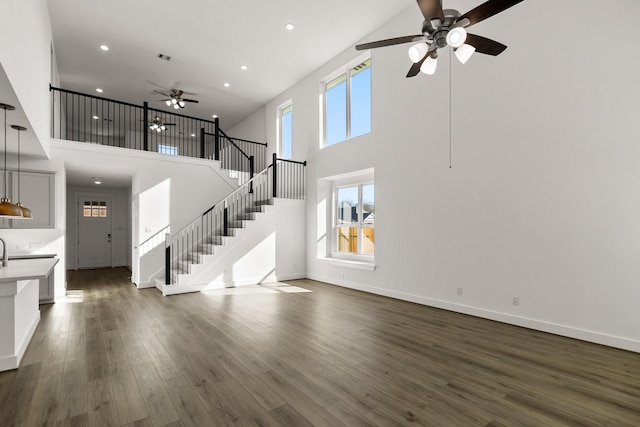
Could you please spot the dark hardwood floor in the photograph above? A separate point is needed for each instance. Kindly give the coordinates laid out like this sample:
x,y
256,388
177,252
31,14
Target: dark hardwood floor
x,y
301,354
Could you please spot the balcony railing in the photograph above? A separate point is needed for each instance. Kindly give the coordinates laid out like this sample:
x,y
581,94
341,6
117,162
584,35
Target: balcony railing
x,y
92,119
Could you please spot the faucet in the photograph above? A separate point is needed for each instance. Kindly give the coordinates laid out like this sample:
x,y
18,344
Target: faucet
x,y
4,252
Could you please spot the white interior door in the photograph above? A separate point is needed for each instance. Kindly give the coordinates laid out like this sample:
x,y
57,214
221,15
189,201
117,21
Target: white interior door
x,y
94,231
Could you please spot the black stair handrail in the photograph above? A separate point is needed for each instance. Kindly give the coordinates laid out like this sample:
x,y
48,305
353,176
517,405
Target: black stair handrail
x,y
282,178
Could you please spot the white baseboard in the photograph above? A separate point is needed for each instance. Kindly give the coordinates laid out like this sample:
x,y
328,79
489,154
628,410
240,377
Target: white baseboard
x,y
145,285
539,325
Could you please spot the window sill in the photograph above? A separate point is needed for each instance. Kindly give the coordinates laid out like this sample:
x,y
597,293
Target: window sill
x,y
360,265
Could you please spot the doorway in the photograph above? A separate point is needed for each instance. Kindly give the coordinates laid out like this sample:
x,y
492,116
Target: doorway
x,y
94,231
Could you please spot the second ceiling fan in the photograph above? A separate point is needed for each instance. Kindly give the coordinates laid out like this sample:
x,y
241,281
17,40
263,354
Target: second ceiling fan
x,y
175,99
447,27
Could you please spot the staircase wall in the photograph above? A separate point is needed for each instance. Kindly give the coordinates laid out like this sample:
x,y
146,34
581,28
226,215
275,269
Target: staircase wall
x,y
269,249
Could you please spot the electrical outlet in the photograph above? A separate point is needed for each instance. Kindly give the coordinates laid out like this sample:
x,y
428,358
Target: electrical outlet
x,y
515,300
459,291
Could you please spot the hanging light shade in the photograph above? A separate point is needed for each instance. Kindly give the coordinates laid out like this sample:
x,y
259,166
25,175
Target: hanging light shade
x,y
418,51
456,37
429,65
26,212
464,52
7,209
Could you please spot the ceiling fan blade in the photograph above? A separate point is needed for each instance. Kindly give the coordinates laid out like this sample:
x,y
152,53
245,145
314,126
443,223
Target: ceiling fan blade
x,y
190,100
168,124
487,10
163,100
389,42
485,45
431,9
160,92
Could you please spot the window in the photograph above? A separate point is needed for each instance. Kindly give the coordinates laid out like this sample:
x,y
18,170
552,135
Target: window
x,y
347,103
94,209
285,125
170,150
355,220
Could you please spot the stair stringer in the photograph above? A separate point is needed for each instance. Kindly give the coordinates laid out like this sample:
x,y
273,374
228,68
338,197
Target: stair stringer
x,y
270,248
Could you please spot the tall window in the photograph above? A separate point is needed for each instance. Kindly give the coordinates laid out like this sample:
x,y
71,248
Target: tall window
x,y
285,124
347,103
355,219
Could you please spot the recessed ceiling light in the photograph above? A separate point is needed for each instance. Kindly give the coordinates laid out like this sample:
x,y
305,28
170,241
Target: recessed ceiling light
x,y
193,135
215,116
227,84
289,26
96,180
104,47
95,117
243,67
99,90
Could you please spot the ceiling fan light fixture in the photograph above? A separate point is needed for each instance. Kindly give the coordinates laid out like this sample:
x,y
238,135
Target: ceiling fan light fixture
x,y
176,106
181,103
418,51
429,65
168,102
174,101
464,52
456,37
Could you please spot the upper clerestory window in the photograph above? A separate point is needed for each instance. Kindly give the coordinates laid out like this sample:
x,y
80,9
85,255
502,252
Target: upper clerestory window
x,y
347,102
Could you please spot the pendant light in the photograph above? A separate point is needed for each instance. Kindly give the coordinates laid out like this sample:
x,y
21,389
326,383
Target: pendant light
x,y
26,212
7,209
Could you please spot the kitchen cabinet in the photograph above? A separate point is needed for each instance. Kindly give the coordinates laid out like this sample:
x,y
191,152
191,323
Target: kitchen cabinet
x,y
37,192
19,310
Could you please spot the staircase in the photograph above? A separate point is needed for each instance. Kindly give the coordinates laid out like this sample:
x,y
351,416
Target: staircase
x,y
189,252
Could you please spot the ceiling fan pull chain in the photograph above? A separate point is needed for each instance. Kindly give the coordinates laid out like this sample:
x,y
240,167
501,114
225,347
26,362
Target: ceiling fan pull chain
x,y
450,109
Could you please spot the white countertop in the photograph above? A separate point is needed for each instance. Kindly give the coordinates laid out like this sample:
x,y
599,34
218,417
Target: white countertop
x,y
27,269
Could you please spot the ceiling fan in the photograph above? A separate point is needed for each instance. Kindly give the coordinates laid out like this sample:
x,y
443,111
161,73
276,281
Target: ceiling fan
x,y
158,125
175,98
446,27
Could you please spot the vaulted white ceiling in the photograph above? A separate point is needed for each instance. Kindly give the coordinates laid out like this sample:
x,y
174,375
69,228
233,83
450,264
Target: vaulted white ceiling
x,y
208,41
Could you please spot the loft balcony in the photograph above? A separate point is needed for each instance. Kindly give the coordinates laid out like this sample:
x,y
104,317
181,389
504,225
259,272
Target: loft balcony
x,y
92,119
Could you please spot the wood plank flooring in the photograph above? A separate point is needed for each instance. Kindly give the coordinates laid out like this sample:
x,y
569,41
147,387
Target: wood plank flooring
x,y
301,354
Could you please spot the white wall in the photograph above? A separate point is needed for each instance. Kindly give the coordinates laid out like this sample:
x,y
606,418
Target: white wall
x,y
25,54
253,128
542,199
120,225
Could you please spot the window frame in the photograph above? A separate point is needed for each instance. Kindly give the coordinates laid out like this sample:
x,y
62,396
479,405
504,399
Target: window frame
x,y
360,225
345,70
280,111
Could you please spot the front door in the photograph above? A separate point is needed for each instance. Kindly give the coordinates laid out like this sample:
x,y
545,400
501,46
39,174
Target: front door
x,y
94,231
